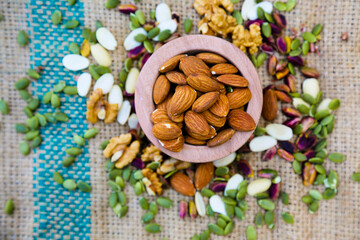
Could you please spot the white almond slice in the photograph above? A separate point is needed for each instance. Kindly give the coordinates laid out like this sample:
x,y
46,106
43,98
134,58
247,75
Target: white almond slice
x,y
258,186
233,183
222,162
105,82
170,25
116,96
100,55
279,131
311,86
75,62
246,8
262,143
217,205
129,42
133,121
324,105
200,204
106,38
124,112
298,101
131,81
162,13
83,84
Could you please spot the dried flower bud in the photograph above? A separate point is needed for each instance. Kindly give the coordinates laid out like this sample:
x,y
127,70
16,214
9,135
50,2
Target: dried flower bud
x,y
285,155
257,22
290,81
304,141
245,167
217,186
192,210
269,154
309,154
296,60
280,20
281,45
283,87
127,8
291,123
309,174
291,112
148,26
268,87
183,209
287,146
307,122
345,36
281,65
274,190
266,48
275,29
271,66
309,72
282,96
267,173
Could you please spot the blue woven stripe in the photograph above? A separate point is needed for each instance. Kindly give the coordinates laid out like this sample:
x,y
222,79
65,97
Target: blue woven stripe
x,y
59,214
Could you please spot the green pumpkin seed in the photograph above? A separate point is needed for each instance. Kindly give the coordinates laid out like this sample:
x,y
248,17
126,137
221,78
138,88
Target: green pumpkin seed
x,y
263,195
317,129
259,219
260,13
126,173
22,38
147,217
144,204
164,35
132,27
31,135
61,85
356,177
153,228
333,179
308,98
291,68
21,128
320,169
69,184
70,90
307,199
56,17
71,2
231,193
9,207
114,186
295,52
316,160
322,154
297,166
55,101
93,72
315,194
261,58
243,205
75,49
251,233
138,188
300,156
253,59
36,142
47,97
24,148
290,5
109,166
320,145
229,201
209,211
134,21
102,69
83,186
140,37
148,46
259,131
86,32
122,198
221,171
239,213
58,178
330,127
153,33
120,211
25,95
226,218
268,17
74,151
33,104
128,64
90,133
195,237
309,37
153,165
284,198
113,199
66,162
207,192
33,122
266,204
230,210
79,140
313,207
336,157
152,14
242,190
215,229
327,120
319,179
153,208
188,24
303,109
22,83
305,47
61,117
140,17
42,119
317,29
221,222
4,108
295,95
98,24
287,217
334,104
269,218
120,181
71,24
114,173
50,118
138,175
280,6
205,235
229,228
329,193
104,144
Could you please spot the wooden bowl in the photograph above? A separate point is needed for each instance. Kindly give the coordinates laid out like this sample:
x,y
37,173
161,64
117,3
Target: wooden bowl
x,y
196,43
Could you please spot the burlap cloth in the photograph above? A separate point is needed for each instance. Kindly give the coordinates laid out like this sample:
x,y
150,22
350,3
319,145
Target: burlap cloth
x,y
337,62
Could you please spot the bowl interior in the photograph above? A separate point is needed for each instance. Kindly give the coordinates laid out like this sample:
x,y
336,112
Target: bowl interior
x,y
192,44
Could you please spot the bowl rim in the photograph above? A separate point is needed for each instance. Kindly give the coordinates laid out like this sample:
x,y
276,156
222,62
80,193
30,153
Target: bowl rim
x,y
144,104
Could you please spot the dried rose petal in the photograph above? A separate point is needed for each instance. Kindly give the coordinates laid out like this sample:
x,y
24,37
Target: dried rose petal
x,y
291,112
245,167
296,60
310,154
183,209
312,47
267,173
281,45
136,52
217,186
282,96
309,174
304,141
274,190
266,48
271,66
269,154
288,146
285,155
257,22
291,123
281,65
306,123
192,209
283,87
137,162
290,81
280,20
275,29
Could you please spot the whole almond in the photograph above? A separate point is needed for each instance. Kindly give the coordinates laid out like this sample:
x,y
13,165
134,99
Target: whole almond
x,y
221,107
239,97
205,101
241,120
223,68
196,123
211,58
177,118
203,83
159,115
161,89
211,134
192,64
213,119
182,184
171,63
221,137
203,175
163,104
166,131
194,141
182,100
176,77
174,145
233,80
269,110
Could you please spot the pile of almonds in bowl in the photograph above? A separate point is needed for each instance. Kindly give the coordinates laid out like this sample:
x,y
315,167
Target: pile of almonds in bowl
x,y
200,100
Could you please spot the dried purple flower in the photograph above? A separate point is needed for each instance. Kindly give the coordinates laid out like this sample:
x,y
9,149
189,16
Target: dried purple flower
x,y
135,53
296,60
269,154
288,146
217,186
